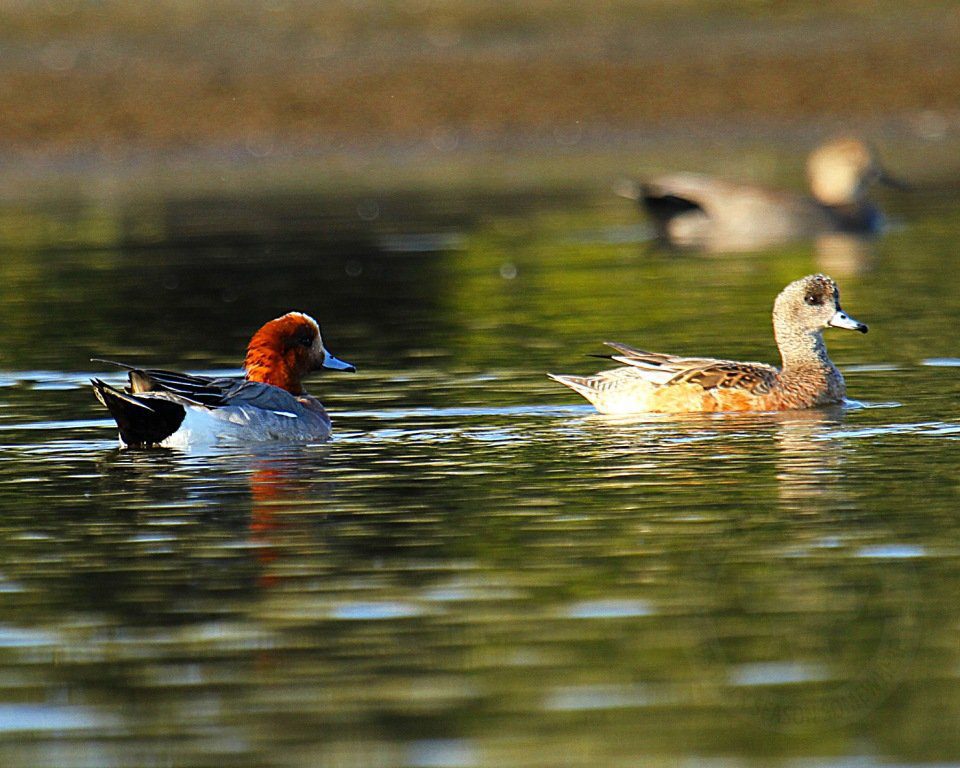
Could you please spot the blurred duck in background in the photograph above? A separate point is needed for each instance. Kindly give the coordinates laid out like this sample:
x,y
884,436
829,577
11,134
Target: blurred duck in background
x,y
698,211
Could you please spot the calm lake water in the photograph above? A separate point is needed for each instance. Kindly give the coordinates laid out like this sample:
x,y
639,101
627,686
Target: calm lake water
x,y
478,570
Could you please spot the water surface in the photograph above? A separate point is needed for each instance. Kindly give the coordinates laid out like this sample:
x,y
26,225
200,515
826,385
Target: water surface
x,y
478,570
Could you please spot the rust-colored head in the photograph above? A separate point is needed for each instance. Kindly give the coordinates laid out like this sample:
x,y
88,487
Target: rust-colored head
x,y
285,350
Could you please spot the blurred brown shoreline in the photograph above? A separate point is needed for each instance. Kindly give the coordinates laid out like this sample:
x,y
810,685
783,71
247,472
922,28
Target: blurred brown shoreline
x,y
88,86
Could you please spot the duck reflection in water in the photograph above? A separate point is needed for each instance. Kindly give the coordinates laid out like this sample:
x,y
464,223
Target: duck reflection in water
x,y
808,463
276,482
252,491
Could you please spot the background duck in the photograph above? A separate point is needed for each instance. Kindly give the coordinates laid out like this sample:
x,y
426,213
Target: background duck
x,y
695,210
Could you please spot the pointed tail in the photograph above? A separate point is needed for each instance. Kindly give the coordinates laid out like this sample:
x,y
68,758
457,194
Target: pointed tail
x,y
582,385
142,421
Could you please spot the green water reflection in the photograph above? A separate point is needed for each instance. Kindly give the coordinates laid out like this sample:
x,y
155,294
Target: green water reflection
x,y
478,570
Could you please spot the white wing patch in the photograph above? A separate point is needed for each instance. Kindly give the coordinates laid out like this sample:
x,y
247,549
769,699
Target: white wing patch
x,y
285,413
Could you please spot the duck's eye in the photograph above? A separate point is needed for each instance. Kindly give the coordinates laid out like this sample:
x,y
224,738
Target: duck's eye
x,y
306,341
813,299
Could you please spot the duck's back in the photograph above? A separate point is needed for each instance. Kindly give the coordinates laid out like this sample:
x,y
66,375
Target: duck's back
x,y
254,412
172,409
662,383
695,210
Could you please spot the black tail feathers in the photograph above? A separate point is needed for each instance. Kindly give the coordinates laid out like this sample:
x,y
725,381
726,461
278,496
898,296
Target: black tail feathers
x,y
143,421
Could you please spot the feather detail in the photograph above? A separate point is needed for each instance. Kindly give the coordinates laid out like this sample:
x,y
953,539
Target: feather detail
x,y
141,421
708,373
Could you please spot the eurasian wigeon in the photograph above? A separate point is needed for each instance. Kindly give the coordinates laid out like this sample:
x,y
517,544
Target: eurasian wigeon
x,y
166,408
690,209
654,382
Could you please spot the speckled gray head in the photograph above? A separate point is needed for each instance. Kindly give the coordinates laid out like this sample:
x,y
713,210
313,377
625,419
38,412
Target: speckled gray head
x,y
812,304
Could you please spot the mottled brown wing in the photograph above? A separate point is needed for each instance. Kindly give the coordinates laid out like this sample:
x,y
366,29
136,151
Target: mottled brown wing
x,y
633,356
756,378
706,372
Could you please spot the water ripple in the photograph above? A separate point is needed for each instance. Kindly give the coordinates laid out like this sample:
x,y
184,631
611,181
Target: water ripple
x,y
609,609
22,718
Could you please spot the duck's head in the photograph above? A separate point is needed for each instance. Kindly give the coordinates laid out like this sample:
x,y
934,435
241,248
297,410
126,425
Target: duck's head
x,y
840,171
286,349
811,304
